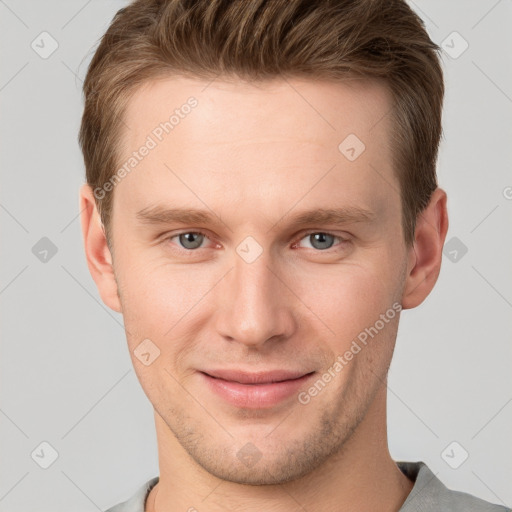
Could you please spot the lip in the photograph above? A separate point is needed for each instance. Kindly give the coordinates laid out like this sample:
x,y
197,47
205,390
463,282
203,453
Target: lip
x,y
255,390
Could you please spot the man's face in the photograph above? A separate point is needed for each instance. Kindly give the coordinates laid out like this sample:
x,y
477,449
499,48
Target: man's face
x,y
252,289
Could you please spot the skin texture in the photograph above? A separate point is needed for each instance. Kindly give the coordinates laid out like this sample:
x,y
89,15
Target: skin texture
x,y
255,155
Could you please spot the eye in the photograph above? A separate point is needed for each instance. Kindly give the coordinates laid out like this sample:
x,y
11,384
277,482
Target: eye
x,y
320,240
190,240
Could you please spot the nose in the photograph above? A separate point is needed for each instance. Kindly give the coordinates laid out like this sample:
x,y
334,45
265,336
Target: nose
x,y
254,304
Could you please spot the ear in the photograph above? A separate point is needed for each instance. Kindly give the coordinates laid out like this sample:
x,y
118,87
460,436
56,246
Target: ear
x,y
99,259
427,251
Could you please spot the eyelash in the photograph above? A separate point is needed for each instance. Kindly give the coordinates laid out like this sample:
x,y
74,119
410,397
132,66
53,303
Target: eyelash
x,y
341,239
308,233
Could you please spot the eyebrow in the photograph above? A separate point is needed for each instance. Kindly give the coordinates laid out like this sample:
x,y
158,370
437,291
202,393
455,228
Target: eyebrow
x,y
160,214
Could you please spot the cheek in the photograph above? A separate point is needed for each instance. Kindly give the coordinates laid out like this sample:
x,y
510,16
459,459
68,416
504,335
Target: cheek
x,y
348,298
159,298
158,303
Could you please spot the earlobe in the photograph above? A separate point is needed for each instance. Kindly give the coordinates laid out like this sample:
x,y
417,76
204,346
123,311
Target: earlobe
x,y
427,251
97,252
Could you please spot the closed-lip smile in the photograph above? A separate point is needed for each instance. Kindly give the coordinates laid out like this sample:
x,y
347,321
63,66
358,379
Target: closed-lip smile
x,y
255,390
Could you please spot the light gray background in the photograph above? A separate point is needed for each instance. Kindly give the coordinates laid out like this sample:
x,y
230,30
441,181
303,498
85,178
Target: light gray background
x,y
66,374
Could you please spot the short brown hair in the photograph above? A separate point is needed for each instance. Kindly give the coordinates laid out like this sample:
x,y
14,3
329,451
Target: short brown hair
x,y
265,39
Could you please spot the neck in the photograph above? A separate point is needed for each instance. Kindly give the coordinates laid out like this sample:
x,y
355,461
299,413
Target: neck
x,y
362,475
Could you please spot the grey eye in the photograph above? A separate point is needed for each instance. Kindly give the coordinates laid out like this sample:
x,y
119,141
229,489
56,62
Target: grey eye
x,y
191,240
321,240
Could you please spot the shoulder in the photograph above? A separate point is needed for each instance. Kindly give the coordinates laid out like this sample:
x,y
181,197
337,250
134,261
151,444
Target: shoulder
x,y
138,500
430,494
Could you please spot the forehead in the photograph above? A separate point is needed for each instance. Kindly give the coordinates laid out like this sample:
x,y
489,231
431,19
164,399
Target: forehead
x,y
261,139
316,108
